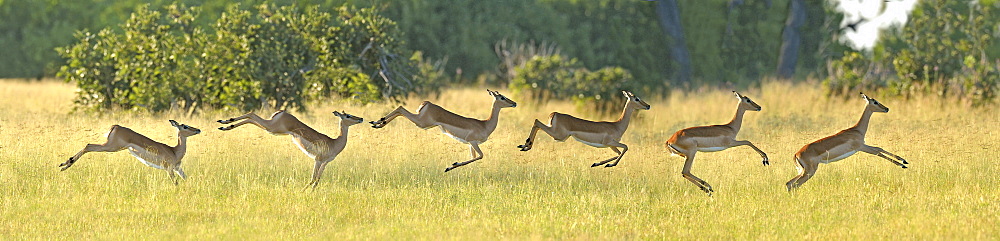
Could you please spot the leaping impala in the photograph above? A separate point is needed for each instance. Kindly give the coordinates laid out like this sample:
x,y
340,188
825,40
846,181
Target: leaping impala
x,y
839,146
598,134
464,129
148,151
687,142
316,145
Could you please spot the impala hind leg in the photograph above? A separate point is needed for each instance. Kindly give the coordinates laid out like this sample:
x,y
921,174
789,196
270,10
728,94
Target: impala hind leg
x,y
556,133
882,153
807,169
421,119
690,177
249,118
474,148
106,147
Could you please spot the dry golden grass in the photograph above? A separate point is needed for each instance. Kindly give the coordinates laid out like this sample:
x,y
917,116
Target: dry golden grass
x,y
389,184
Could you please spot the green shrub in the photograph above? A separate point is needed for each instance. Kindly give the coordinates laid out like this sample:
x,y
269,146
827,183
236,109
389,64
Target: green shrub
x,y
553,77
269,56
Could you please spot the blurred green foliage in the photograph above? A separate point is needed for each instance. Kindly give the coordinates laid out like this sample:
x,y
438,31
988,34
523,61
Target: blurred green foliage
x,y
555,77
947,48
269,56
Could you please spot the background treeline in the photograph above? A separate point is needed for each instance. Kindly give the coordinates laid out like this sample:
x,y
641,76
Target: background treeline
x,y
441,43
948,48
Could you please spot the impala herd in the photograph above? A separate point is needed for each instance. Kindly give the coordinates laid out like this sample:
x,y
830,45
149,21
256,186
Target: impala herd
x,y
685,143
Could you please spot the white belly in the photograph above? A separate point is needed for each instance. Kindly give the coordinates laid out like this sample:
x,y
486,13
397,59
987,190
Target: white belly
x,y
453,136
828,159
305,146
712,149
593,144
140,154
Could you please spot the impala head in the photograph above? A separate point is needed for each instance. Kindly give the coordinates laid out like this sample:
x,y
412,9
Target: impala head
x,y
184,130
746,103
634,101
874,104
502,100
348,119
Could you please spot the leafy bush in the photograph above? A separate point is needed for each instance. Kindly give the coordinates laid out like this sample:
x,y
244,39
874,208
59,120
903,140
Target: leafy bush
x,y
271,56
945,49
852,73
547,77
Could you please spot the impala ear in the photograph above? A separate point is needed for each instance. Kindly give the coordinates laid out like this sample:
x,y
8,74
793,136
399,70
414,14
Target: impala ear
x,y
737,94
626,93
864,96
491,92
335,113
174,123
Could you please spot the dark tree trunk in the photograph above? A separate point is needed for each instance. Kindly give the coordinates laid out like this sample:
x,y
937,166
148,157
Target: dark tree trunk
x,y
791,39
670,20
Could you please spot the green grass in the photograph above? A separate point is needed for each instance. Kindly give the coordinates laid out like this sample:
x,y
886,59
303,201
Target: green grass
x,y
389,184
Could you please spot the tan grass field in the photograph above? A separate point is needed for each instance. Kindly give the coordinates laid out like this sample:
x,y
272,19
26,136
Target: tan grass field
x,y
389,183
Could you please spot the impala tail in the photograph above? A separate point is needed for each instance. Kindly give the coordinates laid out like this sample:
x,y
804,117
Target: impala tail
x,y
674,151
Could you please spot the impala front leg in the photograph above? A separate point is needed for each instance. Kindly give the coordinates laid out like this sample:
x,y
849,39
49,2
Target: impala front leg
x,y
173,177
474,147
616,158
620,155
234,119
556,134
883,151
747,143
389,117
317,172
878,152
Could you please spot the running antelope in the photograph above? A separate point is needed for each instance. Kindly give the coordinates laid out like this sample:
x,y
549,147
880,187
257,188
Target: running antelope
x,y
839,146
148,151
687,142
598,134
464,129
316,145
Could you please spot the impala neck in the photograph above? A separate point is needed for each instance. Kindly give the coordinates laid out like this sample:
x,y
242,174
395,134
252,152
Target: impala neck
x,y
343,132
737,121
626,117
862,125
491,123
181,147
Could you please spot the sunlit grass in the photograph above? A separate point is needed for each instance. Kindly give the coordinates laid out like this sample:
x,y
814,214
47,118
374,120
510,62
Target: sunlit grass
x,y
389,183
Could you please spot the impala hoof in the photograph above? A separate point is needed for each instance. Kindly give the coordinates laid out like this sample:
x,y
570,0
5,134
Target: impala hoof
x,y
904,162
595,164
449,169
904,167
766,163
610,165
